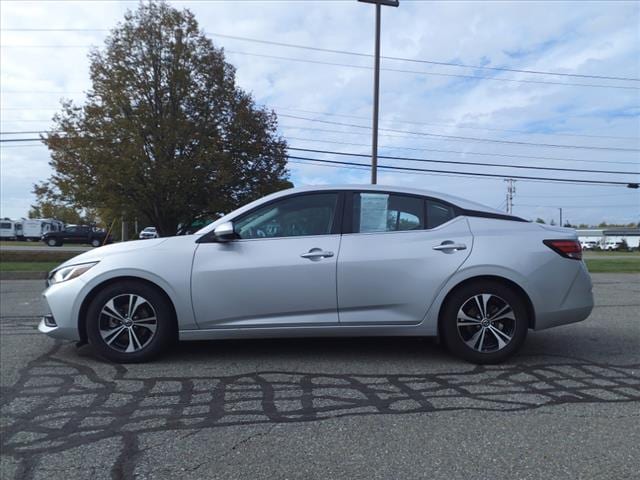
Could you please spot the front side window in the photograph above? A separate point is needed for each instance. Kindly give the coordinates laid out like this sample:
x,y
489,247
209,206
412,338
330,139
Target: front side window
x,y
291,217
383,212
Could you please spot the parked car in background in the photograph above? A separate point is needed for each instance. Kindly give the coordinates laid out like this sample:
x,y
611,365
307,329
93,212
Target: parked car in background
x,y
611,245
76,234
589,245
148,232
329,261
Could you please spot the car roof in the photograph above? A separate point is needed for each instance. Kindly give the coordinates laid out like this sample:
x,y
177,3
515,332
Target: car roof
x,y
455,200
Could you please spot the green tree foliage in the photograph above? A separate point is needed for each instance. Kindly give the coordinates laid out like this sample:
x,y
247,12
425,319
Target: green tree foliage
x,y
165,133
50,204
540,220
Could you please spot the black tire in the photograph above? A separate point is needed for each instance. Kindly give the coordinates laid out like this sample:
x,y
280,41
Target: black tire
x,y
95,242
97,323
52,242
458,337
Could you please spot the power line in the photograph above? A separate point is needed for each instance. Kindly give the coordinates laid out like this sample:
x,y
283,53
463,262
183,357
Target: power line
x,y
360,117
575,206
413,60
458,152
458,137
390,147
428,160
420,72
358,54
631,192
455,125
421,169
475,174
367,67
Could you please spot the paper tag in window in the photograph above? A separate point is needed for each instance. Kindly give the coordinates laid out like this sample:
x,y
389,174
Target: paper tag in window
x,y
373,212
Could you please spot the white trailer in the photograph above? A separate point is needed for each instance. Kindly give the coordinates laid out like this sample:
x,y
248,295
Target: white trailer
x,y
8,229
34,228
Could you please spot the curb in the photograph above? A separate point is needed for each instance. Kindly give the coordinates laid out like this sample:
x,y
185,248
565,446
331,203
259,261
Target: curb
x,y
23,275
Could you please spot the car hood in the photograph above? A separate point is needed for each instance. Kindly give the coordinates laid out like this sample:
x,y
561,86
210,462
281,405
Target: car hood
x,y
96,254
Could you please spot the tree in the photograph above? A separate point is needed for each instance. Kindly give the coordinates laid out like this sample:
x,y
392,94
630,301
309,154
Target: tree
x,y
540,220
50,204
165,133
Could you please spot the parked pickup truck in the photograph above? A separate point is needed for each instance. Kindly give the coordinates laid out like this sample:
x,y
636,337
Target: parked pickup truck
x,y
76,234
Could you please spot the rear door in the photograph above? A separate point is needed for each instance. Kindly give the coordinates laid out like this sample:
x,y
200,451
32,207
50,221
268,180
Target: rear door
x,y
397,251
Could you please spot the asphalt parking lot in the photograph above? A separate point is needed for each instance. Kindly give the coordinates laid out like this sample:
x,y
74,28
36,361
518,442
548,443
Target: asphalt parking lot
x,y
568,406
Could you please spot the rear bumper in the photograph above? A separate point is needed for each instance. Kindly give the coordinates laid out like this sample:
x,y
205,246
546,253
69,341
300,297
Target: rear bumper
x,y
576,305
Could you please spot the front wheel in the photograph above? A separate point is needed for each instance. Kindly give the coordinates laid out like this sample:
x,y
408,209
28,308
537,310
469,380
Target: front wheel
x,y
52,242
95,242
130,322
484,322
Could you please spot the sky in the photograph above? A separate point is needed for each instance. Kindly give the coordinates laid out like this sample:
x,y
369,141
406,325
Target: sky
x,y
428,111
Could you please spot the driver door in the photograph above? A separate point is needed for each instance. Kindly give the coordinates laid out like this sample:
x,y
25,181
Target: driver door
x,y
279,272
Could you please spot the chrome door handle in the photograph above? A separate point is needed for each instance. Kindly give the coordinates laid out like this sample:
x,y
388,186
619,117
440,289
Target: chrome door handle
x,y
450,246
316,253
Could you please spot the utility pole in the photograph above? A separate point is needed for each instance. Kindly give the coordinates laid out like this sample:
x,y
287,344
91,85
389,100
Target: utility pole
x,y
560,208
511,191
376,86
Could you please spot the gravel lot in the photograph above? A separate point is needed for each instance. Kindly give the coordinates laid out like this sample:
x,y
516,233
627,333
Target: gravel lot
x,y
567,407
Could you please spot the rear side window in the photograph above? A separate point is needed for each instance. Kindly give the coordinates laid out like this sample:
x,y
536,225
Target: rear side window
x,y
438,213
383,212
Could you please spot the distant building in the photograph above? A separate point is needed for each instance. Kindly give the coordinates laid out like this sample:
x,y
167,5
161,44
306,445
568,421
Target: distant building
x,y
609,238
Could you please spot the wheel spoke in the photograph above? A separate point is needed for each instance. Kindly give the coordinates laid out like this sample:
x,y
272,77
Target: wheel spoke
x,y
506,316
148,323
134,343
481,303
134,303
481,344
501,337
110,335
466,320
110,309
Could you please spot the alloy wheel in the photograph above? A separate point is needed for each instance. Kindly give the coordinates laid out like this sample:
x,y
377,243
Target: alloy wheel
x,y
127,323
486,323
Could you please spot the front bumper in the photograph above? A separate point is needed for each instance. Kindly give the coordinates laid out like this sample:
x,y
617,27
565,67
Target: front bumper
x,y
63,303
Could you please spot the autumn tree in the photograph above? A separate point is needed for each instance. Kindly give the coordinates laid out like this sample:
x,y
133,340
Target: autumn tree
x,y
165,133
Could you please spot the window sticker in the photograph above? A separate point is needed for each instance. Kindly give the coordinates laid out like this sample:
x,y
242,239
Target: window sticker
x,y
373,212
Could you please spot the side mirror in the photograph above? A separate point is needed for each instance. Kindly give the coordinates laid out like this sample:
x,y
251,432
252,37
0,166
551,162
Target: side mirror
x,y
224,232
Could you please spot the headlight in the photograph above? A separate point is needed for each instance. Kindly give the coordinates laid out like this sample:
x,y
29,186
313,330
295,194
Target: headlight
x,y
67,273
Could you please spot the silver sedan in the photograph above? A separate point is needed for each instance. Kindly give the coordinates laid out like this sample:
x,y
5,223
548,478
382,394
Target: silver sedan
x,y
328,261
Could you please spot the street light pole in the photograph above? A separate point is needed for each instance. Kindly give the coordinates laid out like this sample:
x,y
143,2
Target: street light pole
x,y
376,86
376,102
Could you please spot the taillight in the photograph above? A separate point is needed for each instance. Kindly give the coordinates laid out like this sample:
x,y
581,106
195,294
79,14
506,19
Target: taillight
x,y
566,248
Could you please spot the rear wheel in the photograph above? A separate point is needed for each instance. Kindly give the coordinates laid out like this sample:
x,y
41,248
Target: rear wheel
x,y
130,322
484,322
